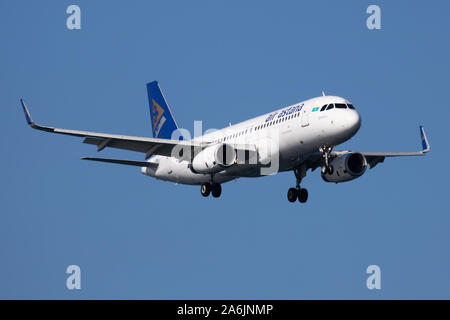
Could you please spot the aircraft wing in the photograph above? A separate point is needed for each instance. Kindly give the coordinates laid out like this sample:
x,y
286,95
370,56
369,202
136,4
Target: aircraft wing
x,y
149,146
373,158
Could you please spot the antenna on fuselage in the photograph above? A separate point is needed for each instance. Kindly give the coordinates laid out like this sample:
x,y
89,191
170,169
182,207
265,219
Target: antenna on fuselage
x,y
323,93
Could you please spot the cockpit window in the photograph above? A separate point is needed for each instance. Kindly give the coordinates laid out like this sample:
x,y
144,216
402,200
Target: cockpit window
x,y
324,107
350,106
330,106
340,106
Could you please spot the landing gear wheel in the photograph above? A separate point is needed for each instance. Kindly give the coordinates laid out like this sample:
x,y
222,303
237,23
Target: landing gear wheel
x,y
205,189
292,194
330,170
216,189
302,195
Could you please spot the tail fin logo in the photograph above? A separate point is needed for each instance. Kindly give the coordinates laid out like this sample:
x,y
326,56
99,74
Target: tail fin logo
x,y
162,122
158,119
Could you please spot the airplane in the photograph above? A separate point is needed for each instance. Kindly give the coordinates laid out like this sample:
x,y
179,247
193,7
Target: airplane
x,y
294,138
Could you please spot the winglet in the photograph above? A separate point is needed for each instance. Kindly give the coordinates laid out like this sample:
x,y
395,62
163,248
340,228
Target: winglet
x,y
27,113
30,121
425,144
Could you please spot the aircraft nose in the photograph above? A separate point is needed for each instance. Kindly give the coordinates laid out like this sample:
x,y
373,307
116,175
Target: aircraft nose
x,y
354,121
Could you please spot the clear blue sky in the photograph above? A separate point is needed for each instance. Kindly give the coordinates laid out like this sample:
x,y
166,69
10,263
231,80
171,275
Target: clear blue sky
x,y
220,61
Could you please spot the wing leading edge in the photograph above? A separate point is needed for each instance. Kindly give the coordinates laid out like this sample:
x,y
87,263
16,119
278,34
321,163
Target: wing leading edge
x,y
425,148
373,158
149,146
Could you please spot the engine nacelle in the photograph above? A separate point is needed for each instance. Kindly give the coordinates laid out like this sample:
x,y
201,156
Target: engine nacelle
x,y
346,167
214,159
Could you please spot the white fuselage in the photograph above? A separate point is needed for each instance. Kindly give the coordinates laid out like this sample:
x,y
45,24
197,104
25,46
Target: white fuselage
x,y
288,135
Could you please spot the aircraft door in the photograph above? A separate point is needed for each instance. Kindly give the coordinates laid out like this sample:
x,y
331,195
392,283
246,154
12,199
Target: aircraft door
x,y
304,117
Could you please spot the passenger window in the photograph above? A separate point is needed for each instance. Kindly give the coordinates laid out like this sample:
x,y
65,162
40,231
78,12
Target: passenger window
x,y
324,107
341,106
350,106
330,106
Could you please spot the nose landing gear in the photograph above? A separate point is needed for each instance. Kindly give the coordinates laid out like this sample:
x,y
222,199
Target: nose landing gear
x,y
325,151
298,193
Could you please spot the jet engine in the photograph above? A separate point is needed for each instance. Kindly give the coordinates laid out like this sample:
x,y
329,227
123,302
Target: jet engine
x,y
214,159
346,167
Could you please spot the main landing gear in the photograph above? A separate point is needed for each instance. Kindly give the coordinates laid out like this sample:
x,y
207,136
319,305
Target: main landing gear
x,y
298,193
214,188
325,151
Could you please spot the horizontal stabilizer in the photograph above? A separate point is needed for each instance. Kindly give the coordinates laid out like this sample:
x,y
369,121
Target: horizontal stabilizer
x,y
126,162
